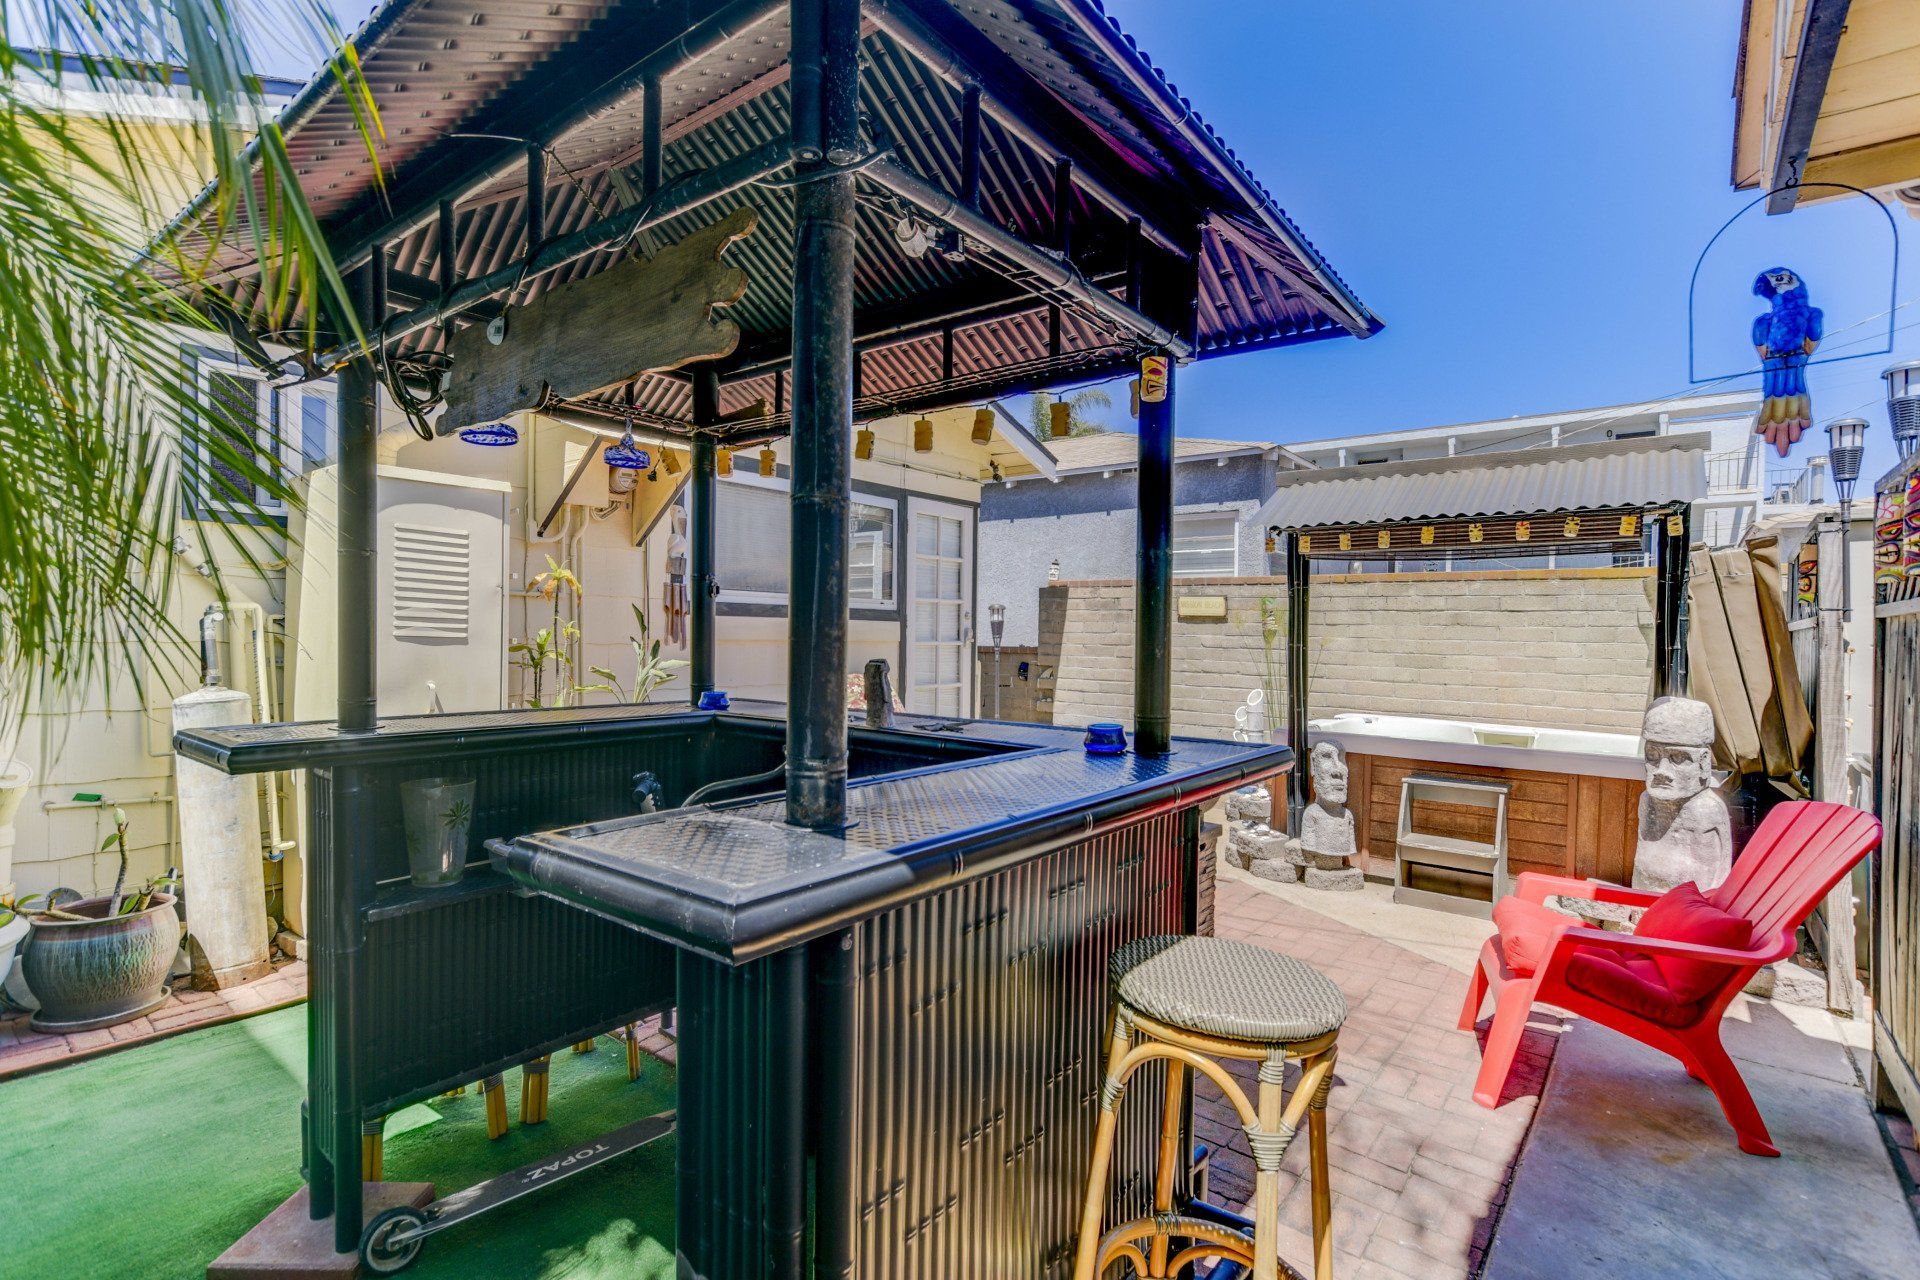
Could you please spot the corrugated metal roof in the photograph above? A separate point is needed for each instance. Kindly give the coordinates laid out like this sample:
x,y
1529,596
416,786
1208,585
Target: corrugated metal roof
x,y
453,78
1122,449
1619,473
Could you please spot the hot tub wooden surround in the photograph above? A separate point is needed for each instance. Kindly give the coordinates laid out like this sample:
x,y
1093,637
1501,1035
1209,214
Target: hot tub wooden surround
x,y
1566,824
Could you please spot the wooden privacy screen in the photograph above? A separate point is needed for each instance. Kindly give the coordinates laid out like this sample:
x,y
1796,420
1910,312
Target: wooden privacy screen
x,y
1619,530
1566,824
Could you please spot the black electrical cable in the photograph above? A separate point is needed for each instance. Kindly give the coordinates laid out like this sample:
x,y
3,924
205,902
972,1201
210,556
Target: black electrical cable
x,y
428,365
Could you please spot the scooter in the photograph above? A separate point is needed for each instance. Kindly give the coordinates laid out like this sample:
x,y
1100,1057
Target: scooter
x,y
392,1240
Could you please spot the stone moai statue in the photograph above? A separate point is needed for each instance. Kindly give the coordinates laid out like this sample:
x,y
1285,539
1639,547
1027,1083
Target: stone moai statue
x,y
1253,845
1326,841
1686,832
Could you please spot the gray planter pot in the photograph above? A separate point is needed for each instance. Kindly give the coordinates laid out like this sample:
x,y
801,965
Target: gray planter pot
x,y
439,816
94,973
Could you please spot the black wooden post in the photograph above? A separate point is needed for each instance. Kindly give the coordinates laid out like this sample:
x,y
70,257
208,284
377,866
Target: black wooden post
x,y
1299,583
1153,593
826,33
701,498
1670,603
359,549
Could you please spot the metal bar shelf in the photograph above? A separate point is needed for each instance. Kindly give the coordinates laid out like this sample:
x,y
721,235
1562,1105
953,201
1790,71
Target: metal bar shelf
x,y
404,898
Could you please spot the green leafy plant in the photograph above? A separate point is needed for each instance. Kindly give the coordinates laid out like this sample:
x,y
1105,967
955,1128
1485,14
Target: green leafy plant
x,y
93,409
142,898
117,842
550,648
650,670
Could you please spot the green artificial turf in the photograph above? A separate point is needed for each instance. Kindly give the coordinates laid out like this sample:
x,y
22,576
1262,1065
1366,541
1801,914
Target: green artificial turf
x,y
149,1162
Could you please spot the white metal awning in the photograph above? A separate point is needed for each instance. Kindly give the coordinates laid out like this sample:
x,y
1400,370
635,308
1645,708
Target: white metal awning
x,y
1653,472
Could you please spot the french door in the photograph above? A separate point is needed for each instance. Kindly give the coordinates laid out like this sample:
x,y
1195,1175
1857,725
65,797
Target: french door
x,y
939,617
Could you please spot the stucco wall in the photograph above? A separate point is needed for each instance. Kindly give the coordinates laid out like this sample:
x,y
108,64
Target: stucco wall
x,y
1086,521
1565,648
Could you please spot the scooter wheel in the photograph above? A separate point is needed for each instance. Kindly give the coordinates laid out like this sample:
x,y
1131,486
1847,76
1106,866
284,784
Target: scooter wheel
x,y
383,1255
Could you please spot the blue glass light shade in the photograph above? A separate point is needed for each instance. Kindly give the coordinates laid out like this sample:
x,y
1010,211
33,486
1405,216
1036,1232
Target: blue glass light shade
x,y
713,700
626,456
1106,739
493,435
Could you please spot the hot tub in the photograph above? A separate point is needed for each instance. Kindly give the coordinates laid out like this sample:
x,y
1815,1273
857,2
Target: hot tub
x,y
1500,746
1573,799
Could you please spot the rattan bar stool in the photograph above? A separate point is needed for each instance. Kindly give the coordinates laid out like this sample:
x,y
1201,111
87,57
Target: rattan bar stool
x,y
1195,1001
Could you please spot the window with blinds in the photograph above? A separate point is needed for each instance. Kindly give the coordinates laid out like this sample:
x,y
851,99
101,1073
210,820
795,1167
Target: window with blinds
x,y
282,431
1206,546
752,532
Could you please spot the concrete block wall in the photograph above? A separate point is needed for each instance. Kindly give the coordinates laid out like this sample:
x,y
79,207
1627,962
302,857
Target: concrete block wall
x,y
1020,697
1559,648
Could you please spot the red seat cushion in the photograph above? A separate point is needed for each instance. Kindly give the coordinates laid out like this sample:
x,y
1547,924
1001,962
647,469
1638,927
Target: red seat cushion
x,y
1629,981
1527,932
1683,914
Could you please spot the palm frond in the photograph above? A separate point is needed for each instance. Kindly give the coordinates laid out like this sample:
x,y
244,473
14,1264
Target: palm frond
x,y
96,413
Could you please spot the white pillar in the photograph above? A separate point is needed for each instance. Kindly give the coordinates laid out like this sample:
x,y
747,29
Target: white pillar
x,y
220,851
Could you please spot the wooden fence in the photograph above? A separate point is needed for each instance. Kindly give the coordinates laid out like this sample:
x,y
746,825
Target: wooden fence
x,y
1896,868
1896,770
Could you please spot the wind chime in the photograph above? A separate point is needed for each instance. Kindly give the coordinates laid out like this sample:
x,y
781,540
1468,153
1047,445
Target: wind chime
x,y
1785,336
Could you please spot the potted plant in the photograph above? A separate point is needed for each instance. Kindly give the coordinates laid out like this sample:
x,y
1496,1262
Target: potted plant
x,y
103,960
13,930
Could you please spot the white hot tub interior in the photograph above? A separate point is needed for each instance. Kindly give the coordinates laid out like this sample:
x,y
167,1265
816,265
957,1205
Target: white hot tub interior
x,y
1508,746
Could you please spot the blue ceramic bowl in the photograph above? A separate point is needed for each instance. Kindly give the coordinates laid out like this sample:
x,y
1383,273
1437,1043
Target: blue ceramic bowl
x,y
713,700
1106,740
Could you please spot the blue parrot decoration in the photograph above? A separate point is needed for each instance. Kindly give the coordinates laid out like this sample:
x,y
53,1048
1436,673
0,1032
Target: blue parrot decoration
x,y
1784,336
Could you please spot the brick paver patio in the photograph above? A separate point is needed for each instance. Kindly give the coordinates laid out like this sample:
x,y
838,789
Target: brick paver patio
x,y
1419,1169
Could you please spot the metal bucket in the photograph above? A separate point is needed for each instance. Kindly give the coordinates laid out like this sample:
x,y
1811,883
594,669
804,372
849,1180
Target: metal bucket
x,y
94,973
439,816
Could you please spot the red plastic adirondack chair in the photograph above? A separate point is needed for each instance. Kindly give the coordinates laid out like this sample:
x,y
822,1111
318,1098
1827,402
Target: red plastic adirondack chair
x,y
1800,851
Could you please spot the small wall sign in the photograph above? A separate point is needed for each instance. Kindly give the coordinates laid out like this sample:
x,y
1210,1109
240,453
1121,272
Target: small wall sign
x,y
1202,608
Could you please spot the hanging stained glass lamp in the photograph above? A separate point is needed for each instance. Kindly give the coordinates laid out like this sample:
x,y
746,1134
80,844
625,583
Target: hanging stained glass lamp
x,y
626,455
492,435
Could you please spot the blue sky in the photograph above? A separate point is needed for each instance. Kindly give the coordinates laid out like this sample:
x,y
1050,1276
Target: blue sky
x,y
1520,191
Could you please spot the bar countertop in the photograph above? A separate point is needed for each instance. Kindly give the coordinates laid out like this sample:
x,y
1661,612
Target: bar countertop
x,y
734,881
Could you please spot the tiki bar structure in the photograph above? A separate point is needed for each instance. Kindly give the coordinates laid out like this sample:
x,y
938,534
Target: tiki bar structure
x,y
886,946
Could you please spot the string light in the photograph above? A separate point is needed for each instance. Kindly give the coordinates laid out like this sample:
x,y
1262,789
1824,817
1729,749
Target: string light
x,y
863,444
923,435
723,462
1061,417
982,426
766,461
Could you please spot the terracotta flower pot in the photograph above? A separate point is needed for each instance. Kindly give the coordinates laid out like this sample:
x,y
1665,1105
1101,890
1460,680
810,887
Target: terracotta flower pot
x,y
94,973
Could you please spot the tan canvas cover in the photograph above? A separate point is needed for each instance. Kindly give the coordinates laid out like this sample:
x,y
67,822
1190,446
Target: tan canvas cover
x,y
1740,659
